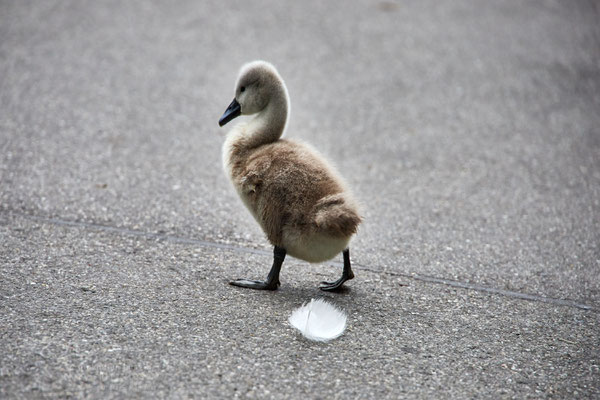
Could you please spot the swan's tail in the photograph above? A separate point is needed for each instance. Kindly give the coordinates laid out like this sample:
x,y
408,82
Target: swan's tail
x,y
335,215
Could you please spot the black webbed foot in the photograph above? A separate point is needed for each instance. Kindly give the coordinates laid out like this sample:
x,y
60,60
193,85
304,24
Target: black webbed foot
x,y
259,285
333,286
272,282
347,274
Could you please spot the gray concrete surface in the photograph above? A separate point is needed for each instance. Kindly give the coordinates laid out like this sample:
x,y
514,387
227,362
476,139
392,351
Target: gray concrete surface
x,y
468,130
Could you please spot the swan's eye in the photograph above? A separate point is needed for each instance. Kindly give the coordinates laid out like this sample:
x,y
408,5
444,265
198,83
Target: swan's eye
x,y
242,89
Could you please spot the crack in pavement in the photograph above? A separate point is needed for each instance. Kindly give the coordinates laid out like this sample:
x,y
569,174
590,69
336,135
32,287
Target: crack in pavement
x,y
241,249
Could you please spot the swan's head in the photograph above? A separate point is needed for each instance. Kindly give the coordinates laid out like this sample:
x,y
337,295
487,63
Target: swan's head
x,y
257,82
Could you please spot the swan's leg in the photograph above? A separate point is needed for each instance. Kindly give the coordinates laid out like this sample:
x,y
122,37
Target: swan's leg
x,y
272,281
347,274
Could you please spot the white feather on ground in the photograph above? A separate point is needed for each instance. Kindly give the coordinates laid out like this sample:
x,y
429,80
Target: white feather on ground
x,y
319,320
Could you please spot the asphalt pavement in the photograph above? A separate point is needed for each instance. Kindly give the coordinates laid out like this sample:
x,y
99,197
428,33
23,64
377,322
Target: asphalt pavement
x,y
469,131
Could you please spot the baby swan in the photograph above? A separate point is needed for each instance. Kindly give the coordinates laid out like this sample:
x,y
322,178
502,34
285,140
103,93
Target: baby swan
x,y
301,203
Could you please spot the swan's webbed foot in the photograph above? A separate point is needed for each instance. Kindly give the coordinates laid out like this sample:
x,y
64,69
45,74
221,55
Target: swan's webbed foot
x,y
272,282
347,274
259,285
333,286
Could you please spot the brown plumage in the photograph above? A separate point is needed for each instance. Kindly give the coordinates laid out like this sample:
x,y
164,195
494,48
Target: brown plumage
x,y
297,197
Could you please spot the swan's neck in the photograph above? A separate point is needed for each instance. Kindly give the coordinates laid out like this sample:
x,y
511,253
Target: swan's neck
x,y
268,125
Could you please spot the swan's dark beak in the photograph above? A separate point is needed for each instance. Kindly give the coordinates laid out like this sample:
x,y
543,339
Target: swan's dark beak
x,y
234,110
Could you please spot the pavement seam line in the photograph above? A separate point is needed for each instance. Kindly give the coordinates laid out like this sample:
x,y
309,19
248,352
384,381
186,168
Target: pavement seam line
x,y
241,249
